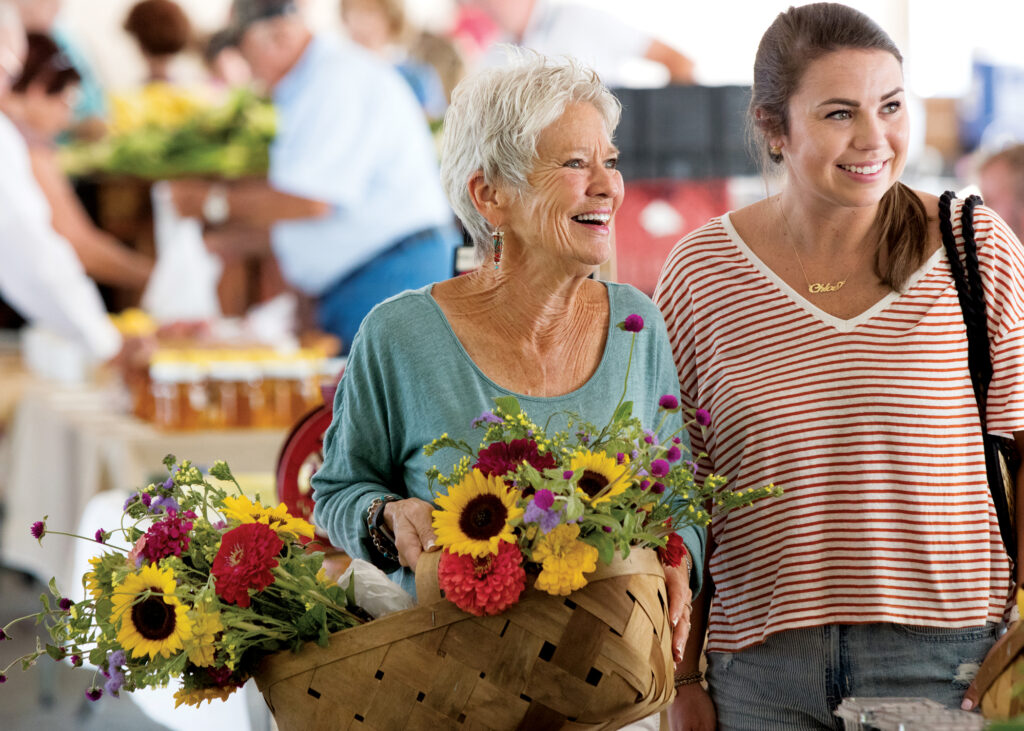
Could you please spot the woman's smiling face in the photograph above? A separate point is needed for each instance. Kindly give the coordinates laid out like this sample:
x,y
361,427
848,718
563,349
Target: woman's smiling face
x,y
848,128
573,192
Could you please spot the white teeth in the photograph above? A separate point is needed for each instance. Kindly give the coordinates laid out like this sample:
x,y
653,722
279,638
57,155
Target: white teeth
x,y
868,170
595,217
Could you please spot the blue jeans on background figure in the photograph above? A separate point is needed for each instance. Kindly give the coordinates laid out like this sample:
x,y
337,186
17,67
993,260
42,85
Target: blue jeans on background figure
x,y
415,261
795,679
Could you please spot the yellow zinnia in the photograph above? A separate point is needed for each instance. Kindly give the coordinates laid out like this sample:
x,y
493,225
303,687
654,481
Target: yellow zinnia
x,y
601,477
156,624
279,519
475,515
564,560
200,647
196,696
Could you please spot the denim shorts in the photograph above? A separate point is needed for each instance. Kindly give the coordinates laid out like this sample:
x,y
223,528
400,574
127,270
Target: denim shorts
x,y
796,678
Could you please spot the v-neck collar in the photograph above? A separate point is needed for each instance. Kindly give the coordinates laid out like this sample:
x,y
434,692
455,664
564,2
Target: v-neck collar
x,y
831,320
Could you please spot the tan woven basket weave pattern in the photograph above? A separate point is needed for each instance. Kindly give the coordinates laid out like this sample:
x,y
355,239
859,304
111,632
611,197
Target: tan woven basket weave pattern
x,y
597,659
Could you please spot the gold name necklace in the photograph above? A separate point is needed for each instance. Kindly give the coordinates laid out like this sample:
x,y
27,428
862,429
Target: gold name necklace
x,y
812,287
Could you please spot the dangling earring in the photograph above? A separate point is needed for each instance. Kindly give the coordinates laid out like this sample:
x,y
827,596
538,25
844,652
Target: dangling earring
x,y
775,153
498,240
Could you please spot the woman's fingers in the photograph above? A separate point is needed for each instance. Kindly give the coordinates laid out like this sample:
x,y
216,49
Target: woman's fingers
x,y
411,522
677,584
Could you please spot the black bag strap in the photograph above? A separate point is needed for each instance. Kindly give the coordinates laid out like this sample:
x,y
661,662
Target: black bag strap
x,y
971,294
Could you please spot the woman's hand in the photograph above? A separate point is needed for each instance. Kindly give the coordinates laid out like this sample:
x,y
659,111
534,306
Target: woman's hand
x,y
677,584
692,709
972,698
412,525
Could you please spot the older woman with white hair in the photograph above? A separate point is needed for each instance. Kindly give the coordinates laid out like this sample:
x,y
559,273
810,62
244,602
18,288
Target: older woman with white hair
x,y
529,166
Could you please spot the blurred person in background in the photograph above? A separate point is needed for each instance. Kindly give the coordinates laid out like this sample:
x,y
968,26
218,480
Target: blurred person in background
x,y
352,207
90,110
40,276
162,31
602,41
40,105
1001,179
381,27
225,63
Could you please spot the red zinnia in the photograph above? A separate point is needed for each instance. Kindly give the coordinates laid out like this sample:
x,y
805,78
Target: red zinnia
x,y
501,458
489,585
244,560
673,552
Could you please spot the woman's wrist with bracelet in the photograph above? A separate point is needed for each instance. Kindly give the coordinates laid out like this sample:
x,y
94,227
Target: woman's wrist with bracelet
x,y
380,534
687,677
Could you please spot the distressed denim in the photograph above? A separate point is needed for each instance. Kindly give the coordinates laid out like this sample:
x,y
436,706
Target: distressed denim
x,y
796,678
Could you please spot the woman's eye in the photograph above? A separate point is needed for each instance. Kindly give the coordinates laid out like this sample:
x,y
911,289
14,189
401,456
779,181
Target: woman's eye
x,y
611,163
841,114
574,164
891,107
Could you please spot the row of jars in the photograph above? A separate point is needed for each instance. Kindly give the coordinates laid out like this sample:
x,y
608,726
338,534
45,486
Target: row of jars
x,y
229,389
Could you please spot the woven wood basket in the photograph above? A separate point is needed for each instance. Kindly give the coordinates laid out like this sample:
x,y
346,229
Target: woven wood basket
x,y
598,659
1001,677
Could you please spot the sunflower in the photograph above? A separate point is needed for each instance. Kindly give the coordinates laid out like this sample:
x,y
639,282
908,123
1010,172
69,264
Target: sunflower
x,y
92,579
601,477
153,621
564,560
475,515
245,511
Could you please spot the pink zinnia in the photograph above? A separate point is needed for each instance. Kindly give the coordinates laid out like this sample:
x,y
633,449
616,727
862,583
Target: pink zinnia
x,y
501,458
168,537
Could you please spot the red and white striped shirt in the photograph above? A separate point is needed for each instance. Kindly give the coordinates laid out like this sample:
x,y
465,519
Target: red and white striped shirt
x,y
870,427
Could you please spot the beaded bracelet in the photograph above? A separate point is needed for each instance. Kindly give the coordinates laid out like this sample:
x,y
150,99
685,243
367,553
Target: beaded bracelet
x,y
382,538
689,678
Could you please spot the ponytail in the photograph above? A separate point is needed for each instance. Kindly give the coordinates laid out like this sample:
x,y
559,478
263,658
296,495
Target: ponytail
x,y
902,222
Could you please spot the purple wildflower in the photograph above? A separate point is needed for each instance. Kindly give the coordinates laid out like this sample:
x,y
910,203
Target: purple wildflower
x,y
673,454
633,323
659,467
677,440
3,635
703,417
3,678
644,484
657,488
669,402
164,504
650,437
583,437
117,658
544,499
485,418
567,475
547,519
114,683
606,528
65,604
94,694
634,454
76,661
169,483
620,458
147,499
101,536
38,530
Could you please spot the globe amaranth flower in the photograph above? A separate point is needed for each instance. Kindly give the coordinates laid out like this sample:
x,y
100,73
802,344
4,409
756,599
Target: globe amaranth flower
x,y
672,553
101,535
487,585
650,437
539,511
632,324
475,516
565,560
38,529
673,454
501,458
151,619
659,467
94,694
65,604
167,537
244,561
668,402
703,417
657,488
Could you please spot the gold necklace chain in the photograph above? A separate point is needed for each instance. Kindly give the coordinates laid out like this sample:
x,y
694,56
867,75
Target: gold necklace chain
x,y
812,287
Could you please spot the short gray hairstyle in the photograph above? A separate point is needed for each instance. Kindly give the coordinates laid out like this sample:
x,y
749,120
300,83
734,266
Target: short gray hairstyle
x,y
495,118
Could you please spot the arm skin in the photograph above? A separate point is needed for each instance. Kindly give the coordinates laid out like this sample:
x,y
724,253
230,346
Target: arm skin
x,y
680,67
251,202
105,258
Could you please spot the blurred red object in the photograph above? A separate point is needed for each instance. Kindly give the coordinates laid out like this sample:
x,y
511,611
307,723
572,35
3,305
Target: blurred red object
x,y
654,215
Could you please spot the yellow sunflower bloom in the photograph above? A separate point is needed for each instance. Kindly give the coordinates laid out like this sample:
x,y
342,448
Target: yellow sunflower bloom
x,y
475,515
564,560
196,696
601,477
152,625
244,510
200,647
92,579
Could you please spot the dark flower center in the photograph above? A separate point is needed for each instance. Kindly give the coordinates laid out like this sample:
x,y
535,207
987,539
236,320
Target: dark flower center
x,y
483,517
154,618
592,482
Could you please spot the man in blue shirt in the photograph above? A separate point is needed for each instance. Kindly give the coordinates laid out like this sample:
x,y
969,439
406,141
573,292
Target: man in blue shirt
x,y
353,202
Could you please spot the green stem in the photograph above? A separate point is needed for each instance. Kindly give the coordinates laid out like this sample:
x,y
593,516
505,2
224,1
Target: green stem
x,y
84,538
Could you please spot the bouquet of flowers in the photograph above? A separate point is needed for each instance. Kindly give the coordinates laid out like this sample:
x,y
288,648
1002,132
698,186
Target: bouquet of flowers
x,y
212,583
553,505
164,132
